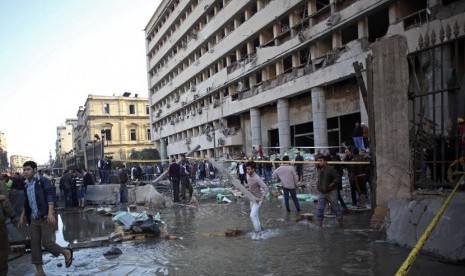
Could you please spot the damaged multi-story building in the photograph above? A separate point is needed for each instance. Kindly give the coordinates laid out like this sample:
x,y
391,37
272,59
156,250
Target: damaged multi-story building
x,y
230,75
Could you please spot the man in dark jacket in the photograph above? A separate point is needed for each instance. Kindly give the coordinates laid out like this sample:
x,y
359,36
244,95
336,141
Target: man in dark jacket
x,y
38,210
174,173
6,212
328,178
123,180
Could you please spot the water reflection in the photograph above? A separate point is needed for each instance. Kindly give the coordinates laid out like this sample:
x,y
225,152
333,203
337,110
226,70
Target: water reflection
x,y
78,226
288,248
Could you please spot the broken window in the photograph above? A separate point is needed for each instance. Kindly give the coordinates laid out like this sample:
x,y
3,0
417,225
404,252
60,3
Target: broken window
x,y
349,34
378,24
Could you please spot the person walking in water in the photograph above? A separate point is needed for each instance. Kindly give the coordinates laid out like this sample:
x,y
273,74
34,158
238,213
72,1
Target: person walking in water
x,y
258,189
289,179
38,210
328,178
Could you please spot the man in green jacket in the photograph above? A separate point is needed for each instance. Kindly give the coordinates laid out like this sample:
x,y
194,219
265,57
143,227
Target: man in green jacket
x,y
6,211
328,177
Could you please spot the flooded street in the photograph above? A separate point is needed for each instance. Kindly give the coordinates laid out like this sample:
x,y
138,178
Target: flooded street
x,y
288,247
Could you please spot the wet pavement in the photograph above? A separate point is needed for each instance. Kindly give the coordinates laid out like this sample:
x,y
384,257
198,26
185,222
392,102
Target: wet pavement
x,y
287,247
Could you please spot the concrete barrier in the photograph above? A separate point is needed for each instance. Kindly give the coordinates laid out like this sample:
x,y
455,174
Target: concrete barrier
x,y
109,194
408,219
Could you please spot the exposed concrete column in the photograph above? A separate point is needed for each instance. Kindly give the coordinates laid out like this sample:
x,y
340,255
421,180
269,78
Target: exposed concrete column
x,y
279,67
260,5
393,13
283,125
337,39
256,127
228,60
250,48
265,74
162,147
296,59
362,26
311,6
320,125
238,54
276,31
236,23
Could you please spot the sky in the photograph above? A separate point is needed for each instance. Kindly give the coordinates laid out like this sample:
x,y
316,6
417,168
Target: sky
x,y
54,53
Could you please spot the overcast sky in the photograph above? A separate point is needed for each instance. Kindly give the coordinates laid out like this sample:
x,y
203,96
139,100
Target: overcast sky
x,y
53,53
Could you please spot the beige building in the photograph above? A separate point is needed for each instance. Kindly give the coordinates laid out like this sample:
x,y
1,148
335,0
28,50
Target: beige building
x,y
17,161
121,122
64,143
3,144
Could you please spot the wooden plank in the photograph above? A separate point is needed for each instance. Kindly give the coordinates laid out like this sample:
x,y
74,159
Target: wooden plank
x,y
234,181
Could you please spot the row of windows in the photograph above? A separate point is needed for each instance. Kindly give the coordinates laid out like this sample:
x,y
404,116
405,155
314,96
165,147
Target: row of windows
x,y
132,109
132,134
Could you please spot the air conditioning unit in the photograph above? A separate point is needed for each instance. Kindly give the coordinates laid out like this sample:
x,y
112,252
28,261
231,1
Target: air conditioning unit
x,y
192,113
176,99
188,140
220,141
159,111
196,96
216,103
192,88
181,118
176,120
209,89
183,103
168,105
172,122
157,115
333,19
194,35
199,110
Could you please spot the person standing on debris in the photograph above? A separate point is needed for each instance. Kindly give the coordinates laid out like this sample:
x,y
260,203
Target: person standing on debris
x,y
358,136
258,189
365,135
241,170
299,167
328,179
289,179
107,169
38,211
100,165
174,172
6,212
123,182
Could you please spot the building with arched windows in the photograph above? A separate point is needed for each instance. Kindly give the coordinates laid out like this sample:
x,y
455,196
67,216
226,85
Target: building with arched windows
x,y
118,123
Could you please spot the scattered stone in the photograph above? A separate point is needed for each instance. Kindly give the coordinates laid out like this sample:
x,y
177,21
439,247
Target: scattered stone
x,y
114,252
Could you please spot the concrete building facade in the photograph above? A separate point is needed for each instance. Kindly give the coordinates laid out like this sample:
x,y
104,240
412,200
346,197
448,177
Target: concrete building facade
x,y
271,73
233,74
64,142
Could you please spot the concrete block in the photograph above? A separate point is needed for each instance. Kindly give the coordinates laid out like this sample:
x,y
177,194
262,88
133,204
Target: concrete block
x,y
407,220
103,194
148,194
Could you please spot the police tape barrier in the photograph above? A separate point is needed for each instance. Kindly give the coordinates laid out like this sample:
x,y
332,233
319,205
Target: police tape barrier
x,y
404,268
256,161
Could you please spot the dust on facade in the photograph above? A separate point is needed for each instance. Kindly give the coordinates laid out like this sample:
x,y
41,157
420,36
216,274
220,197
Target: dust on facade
x,y
299,73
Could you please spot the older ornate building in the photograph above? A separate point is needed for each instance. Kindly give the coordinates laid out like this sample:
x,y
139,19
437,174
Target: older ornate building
x,y
119,123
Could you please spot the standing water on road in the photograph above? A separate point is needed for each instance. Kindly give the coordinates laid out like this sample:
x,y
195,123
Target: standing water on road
x,y
287,247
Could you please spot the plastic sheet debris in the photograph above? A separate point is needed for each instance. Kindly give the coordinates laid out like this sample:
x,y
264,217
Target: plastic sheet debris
x,y
113,253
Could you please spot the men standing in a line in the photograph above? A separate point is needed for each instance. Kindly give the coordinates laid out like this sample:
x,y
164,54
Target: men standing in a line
x,y
328,178
174,172
340,171
299,167
65,188
185,180
38,210
258,188
289,179
6,212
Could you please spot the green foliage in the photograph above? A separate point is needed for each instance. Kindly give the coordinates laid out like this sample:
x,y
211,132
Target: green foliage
x,y
146,154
